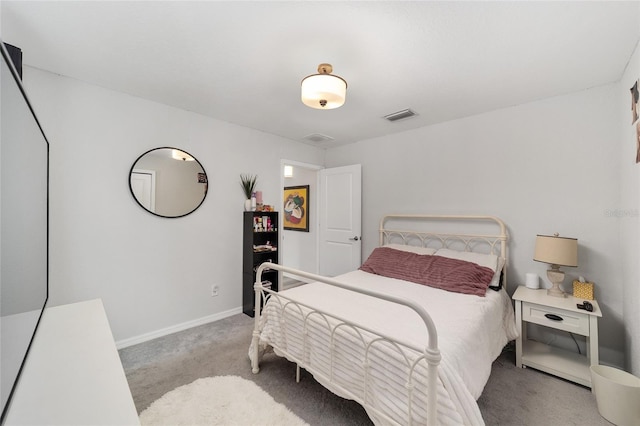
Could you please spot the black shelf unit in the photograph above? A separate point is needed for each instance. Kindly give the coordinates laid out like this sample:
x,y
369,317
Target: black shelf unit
x,y
259,229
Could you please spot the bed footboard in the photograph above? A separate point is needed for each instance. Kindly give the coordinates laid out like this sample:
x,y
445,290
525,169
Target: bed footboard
x,y
429,353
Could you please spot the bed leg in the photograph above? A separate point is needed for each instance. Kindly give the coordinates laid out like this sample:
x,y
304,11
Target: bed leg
x,y
433,360
297,373
255,361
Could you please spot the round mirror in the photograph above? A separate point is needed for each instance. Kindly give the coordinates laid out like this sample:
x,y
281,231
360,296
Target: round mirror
x,y
168,182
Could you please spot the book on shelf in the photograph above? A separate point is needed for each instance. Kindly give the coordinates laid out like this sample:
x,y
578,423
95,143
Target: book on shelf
x,y
264,248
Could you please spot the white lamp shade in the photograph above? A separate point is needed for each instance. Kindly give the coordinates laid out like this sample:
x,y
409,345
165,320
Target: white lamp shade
x,y
318,88
556,250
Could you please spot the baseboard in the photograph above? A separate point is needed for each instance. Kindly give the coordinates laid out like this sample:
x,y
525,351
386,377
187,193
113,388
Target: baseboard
x,y
175,328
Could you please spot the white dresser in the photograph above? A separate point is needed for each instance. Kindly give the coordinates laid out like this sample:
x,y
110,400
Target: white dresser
x,y
73,374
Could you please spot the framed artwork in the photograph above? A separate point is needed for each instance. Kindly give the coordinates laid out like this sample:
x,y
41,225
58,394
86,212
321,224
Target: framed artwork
x,y
635,114
296,208
637,141
635,95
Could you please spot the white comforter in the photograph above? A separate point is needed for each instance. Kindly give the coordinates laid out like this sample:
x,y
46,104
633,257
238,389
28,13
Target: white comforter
x,y
471,333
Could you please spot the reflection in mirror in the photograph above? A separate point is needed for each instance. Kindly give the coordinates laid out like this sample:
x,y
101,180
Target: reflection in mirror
x,y
24,163
168,182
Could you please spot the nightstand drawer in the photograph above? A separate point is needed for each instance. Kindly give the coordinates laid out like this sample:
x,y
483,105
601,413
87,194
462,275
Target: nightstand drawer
x,y
573,322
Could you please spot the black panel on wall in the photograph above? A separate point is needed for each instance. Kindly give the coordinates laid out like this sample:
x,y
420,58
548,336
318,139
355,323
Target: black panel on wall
x,y
15,53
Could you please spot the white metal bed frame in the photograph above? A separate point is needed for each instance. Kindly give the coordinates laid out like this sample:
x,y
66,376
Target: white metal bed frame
x,y
430,353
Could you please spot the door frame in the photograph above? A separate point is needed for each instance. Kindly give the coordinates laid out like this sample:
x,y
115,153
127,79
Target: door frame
x,y
314,224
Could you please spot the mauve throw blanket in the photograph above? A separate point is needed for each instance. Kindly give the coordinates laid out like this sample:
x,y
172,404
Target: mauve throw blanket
x,y
448,274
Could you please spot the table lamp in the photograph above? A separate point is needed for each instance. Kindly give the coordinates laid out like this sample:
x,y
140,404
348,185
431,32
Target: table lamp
x,y
556,251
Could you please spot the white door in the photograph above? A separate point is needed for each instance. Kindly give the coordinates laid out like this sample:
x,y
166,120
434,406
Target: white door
x,y
143,186
340,219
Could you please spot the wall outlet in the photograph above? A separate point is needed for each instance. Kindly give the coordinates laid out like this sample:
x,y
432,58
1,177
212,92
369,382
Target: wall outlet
x,y
215,290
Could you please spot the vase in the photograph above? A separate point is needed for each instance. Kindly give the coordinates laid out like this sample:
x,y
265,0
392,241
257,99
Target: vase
x,y
247,205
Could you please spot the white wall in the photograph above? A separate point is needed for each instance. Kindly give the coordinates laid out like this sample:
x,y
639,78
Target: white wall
x,y
151,273
301,248
543,167
629,216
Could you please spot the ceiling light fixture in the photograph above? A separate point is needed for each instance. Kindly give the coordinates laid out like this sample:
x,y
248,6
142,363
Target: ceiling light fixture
x,y
324,90
176,154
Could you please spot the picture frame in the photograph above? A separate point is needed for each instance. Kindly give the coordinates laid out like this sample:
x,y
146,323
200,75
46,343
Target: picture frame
x,y
635,115
635,98
638,142
295,207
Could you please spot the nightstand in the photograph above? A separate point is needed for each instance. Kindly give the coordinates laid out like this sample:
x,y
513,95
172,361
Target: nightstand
x,y
560,313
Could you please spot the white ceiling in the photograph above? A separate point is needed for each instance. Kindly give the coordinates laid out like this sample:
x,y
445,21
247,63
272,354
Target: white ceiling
x,y
242,62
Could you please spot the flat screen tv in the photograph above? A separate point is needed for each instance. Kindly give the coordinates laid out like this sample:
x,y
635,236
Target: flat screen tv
x,y
24,177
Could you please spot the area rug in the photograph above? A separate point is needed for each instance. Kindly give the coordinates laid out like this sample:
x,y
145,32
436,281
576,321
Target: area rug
x,y
222,400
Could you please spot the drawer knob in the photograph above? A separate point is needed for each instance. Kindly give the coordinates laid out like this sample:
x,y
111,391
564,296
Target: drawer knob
x,y
554,317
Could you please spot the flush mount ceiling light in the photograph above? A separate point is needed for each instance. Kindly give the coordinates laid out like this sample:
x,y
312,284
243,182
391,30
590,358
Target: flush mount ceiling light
x,y
324,90
176,154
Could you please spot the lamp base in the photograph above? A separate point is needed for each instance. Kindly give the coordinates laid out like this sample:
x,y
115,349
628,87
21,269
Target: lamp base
x,y
556,276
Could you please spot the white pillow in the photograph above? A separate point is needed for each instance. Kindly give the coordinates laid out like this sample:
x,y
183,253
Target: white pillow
x,y
489,260
411,249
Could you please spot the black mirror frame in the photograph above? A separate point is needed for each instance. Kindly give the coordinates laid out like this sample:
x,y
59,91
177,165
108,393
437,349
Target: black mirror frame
x,y
154,213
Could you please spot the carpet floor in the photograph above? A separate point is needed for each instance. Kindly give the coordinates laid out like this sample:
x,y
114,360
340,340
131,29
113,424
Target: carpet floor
x,y
512,396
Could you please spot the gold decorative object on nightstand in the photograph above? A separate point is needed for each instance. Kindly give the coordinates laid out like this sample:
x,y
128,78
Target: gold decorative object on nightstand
x,y
583,290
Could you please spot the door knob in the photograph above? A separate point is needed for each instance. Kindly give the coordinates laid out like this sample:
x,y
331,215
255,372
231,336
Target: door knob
x,y
354,238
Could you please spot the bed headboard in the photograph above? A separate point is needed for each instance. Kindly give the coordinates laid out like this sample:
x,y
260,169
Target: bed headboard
x,y
487,234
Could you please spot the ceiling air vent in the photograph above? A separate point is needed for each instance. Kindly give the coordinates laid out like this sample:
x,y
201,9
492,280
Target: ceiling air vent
x,y
318,138
399,115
